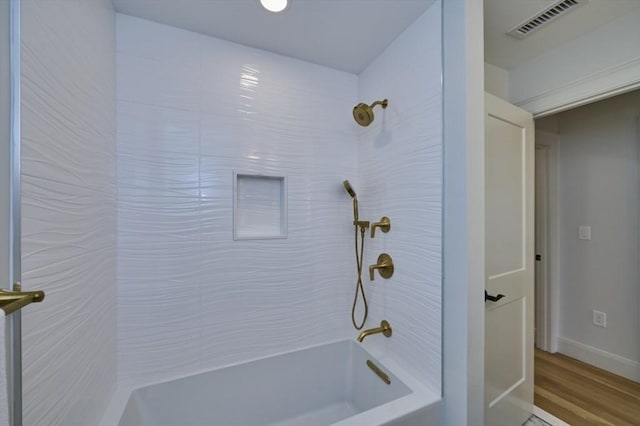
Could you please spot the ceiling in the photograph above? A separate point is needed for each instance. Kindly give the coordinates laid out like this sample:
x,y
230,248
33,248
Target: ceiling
x,y
507,52
342,34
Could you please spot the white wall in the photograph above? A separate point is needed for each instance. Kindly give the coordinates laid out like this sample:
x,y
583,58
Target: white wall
x,y
570,74
400,165
191,110
598,187
463,219
496,81
68,209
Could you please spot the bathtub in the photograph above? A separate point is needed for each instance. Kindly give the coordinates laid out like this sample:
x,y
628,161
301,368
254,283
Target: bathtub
x,y
329,384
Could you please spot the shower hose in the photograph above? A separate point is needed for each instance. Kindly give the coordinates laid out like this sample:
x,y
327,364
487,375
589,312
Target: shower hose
x,y
359,286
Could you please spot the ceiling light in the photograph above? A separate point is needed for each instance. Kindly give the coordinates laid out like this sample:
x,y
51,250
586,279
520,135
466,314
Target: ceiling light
x,y
274,5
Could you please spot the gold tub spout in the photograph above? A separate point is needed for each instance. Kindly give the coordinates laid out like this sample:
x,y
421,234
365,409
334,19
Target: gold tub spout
x,y
385,329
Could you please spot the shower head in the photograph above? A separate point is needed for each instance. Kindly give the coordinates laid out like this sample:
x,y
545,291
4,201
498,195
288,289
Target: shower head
x,y
349,189
363,113
352,193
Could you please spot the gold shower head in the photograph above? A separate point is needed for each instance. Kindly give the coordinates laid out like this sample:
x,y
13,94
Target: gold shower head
x,y
363,113
349,188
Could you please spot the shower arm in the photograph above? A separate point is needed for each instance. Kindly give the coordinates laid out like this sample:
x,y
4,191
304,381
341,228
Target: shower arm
x,y
383,103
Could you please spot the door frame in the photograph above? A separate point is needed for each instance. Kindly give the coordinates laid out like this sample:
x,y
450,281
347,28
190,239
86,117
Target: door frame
x,y
547,295
10,193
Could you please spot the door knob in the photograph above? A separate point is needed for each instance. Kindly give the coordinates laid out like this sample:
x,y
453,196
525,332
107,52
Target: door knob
x,y
487,296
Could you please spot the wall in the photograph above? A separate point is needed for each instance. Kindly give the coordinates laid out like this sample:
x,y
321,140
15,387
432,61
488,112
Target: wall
x,y
598,187
496,81
569,75
69,209
400,165
463,218
191,110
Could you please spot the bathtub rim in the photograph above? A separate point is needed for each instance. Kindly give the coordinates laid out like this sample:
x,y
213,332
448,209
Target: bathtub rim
x,y
421,397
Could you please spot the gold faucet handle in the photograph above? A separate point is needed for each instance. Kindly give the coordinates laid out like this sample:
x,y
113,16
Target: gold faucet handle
x,y
385,265
384,225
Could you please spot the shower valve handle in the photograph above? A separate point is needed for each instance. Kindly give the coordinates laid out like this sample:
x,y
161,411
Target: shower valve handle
x,y
385,265
384,225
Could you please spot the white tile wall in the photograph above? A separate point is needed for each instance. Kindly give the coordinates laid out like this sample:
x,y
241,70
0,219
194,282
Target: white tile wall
x,y
191,111
189,296
400,165
69,209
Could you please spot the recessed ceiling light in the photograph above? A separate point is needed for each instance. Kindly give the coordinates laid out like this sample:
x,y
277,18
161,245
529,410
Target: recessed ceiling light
x,y
274,5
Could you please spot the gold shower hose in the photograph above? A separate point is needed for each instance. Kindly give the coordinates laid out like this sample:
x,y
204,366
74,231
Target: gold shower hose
x,y
359,286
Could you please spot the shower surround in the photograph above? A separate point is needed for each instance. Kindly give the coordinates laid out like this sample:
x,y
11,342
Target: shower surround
x,y
192,110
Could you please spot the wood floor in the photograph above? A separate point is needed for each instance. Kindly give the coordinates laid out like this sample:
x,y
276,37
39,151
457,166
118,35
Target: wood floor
x,y
581,394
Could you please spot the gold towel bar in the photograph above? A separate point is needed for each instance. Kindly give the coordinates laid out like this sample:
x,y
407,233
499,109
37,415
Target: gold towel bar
x,y
11,301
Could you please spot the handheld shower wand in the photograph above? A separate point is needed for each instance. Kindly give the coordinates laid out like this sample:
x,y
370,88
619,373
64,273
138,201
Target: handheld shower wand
x,y
363,225
353,195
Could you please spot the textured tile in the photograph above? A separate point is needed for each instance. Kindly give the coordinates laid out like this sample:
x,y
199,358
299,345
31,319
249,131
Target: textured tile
x,y
156,174
261,113
255,116
145,128
400,169
161,84
69,210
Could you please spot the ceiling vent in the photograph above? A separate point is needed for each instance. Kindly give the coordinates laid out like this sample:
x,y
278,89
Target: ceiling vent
x,y
542,18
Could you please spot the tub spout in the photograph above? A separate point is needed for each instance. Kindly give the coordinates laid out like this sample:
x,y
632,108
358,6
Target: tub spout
x,y
385,329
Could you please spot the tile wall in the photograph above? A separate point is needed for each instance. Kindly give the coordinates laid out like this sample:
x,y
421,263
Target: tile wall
x,y
68,209
192,110
400,169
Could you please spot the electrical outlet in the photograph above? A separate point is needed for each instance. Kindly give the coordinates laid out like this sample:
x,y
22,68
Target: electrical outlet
x,y
600,319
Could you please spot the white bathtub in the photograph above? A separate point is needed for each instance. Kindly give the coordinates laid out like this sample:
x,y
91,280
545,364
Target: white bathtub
x,y
329,384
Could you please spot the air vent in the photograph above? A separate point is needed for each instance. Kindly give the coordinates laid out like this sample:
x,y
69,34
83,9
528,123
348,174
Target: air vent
x,y
541,19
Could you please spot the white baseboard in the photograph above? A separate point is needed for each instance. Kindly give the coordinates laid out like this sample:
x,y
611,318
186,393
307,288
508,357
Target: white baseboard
x,y
548,417
597,357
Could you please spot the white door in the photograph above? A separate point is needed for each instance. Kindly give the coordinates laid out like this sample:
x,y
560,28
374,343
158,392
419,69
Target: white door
x,y
509,243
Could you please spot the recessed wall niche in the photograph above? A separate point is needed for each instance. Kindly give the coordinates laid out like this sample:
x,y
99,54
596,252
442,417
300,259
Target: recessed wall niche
x,y
259,206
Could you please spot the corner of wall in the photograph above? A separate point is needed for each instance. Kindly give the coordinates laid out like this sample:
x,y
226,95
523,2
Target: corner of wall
x,y
496,81
463,320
